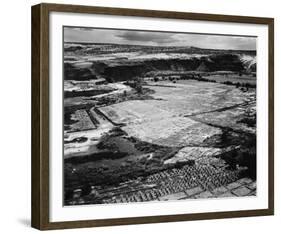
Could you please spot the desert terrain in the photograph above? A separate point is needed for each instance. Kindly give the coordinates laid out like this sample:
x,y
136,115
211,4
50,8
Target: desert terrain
x,y
150,123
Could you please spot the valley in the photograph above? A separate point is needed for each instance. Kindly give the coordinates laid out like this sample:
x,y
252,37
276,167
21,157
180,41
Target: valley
x,y
148,123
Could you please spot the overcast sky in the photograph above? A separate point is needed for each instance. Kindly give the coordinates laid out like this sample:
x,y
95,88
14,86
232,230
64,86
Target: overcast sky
x,y
158,38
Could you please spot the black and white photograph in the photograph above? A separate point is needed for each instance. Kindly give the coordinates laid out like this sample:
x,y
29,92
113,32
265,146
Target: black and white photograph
x,y
153,116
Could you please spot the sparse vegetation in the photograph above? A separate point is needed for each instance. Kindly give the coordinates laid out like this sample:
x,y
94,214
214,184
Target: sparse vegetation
x,y
86,93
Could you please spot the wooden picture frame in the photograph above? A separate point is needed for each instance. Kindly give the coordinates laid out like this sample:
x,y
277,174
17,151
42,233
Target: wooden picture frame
x,y
40,115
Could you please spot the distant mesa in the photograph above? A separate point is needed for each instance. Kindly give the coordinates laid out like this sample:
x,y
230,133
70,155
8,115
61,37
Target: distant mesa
x,y
117,63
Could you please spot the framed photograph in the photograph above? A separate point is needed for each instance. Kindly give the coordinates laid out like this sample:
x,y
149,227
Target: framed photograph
x,y
143,116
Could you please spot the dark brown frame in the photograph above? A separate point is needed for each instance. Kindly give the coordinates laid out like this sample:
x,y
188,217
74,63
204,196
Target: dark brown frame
x,y
40,115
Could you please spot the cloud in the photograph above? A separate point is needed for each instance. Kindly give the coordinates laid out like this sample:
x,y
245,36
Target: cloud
x,y
149,37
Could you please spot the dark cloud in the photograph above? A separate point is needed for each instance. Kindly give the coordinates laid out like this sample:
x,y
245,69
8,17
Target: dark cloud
x,y
150,37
